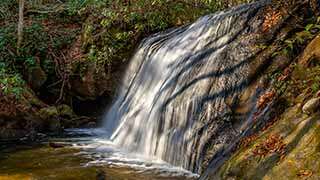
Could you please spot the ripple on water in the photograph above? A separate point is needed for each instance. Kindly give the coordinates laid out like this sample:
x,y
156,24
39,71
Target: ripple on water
x,y
85,157
103,152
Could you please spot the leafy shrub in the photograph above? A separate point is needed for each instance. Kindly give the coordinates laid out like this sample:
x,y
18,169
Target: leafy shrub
x,y
10,84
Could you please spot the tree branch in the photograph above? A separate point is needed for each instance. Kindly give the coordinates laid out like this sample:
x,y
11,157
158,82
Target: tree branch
x,y
20,25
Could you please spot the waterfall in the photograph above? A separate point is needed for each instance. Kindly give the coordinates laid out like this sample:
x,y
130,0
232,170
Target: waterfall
x,y
177,95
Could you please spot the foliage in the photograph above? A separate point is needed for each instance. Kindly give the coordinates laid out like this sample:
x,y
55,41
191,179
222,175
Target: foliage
x,y
302,84
10,84
308,33
75,6
8,10
112,30
50,28
115,27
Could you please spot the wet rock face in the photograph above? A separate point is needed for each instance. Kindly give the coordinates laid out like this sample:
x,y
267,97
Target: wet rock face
x,y
197,86
295,153
292,155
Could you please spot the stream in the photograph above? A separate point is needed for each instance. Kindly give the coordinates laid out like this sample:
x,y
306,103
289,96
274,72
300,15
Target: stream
x,y
82,155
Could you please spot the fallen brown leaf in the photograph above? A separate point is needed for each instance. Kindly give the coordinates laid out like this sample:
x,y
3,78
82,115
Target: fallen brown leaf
x,y
304,173
265,98
273,144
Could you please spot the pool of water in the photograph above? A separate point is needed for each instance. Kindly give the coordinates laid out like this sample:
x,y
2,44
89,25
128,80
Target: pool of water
x,y
82,155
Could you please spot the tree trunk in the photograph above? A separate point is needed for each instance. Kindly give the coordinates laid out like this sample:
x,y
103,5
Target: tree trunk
x,y
20,24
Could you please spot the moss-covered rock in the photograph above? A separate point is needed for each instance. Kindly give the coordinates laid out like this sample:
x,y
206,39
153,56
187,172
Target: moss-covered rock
x,y
18,113
58,117
66,111
48,112
289,147
299,140
50,116
311,52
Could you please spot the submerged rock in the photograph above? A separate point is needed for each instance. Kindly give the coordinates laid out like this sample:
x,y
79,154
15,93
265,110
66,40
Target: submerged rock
x,y
58,144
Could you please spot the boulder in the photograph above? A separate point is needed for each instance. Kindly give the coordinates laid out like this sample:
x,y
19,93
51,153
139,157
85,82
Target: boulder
x,y
18,114
311,106
51,118
57,117
65,111
312,51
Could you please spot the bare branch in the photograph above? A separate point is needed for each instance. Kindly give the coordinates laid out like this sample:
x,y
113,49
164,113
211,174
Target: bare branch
x,y
20,24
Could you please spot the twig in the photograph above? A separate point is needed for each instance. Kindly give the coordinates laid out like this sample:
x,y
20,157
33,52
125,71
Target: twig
x,y
61,90
53,84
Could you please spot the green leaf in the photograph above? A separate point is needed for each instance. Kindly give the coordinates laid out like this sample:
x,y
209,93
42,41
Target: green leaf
x,y
289,44
317,26
275,54
309,27
300,39
288,41
285,51
315,87
306,33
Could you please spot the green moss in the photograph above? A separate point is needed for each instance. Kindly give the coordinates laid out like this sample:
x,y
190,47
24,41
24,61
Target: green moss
x,y
65,111
49,112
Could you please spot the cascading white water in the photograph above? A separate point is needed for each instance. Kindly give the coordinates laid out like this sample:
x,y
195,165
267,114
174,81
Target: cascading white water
x,y
173,101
